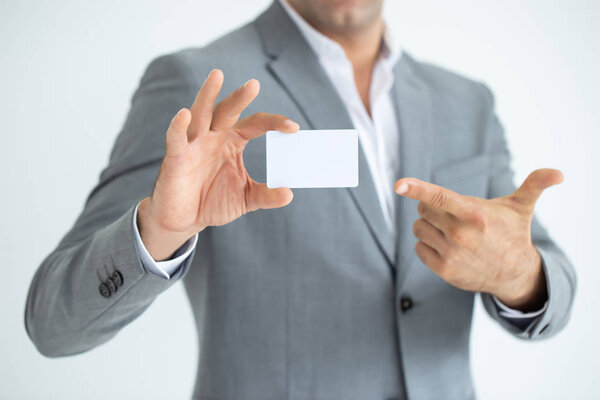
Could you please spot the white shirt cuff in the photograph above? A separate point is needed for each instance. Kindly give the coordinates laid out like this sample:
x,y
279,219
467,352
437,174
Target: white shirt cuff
x,y
166,268
511,313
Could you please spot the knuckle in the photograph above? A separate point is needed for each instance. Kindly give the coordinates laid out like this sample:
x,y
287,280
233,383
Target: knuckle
x,y
253,120
443,268
421,208
443,265
418,227
451,256
480,219
232,116
419,250
439,199
208,112
418,247
456,233
448,272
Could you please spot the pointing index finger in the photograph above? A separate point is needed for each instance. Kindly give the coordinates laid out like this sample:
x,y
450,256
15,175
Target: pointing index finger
x,y
434,195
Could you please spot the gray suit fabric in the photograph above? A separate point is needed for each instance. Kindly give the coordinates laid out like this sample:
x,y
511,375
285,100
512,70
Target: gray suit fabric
x,y
302,302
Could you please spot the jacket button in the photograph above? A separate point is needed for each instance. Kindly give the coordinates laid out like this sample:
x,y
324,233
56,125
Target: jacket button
x,y
117,278
406,303
104,290
111,285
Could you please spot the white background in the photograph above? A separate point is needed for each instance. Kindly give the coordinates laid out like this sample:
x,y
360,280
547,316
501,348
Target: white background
x,y
68,69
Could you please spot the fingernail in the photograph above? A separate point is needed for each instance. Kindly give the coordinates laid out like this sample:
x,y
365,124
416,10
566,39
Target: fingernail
x,y
291,124
207,77
178,115
247,83
210,73
403,188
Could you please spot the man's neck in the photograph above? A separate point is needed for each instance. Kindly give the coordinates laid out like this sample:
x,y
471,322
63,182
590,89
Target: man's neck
x,y
362,49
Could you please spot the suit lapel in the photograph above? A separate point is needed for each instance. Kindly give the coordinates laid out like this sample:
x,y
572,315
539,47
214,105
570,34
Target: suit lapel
x,y
414,114
298,71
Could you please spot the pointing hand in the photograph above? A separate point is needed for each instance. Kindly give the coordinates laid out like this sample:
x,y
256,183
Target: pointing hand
x,y
479,244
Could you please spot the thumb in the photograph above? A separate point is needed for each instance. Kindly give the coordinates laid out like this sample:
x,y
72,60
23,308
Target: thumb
x,y
177,132
532,188
260,196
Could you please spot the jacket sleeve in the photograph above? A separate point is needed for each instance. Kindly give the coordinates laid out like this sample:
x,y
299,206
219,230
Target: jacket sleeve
x,y
560,276
68,311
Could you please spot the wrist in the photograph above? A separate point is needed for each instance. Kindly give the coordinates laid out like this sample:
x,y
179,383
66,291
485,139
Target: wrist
x,y
528,292
160,243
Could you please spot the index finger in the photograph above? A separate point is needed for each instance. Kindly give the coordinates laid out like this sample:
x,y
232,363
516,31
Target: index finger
x,y
434,195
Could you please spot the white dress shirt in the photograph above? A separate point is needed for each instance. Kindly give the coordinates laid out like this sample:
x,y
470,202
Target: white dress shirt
x,y
378,135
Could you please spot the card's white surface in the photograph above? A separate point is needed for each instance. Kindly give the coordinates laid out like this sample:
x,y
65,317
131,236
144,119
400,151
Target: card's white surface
x,y
312,159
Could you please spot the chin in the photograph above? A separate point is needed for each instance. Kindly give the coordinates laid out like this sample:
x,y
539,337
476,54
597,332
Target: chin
x,y
341,16
347,14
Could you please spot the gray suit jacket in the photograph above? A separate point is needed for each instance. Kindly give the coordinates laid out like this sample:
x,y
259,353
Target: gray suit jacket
x,y
314,301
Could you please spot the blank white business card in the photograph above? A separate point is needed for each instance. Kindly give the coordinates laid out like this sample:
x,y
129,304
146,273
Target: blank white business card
x,y
312,159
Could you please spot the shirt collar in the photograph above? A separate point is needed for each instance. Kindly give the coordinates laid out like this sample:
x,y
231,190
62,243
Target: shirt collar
x,y
326,48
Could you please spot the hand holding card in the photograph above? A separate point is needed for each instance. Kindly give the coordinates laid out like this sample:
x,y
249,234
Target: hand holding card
x,y
202,180
312,159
